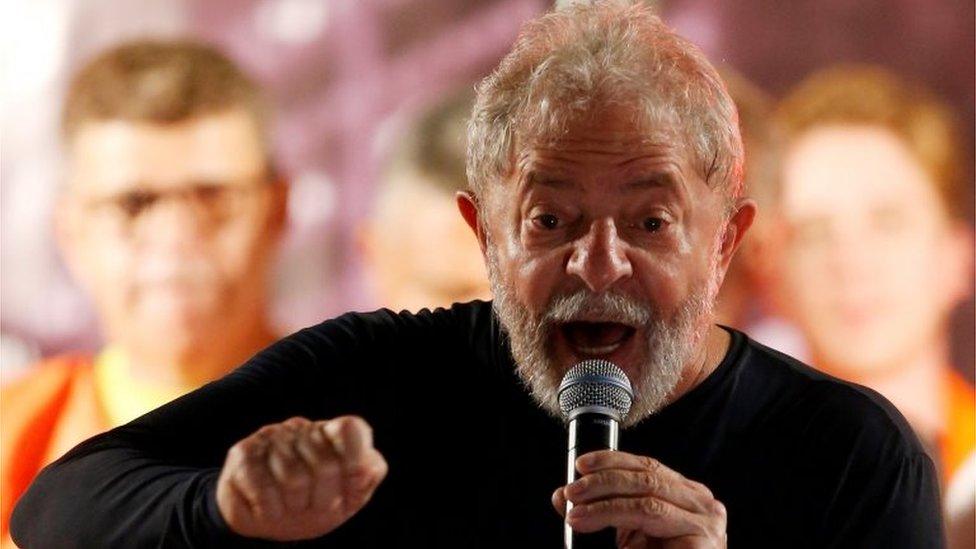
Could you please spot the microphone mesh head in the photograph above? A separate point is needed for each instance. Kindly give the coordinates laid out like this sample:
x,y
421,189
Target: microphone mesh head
x,y
596,384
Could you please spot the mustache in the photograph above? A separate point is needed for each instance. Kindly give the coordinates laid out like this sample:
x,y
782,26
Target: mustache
x,y
583,305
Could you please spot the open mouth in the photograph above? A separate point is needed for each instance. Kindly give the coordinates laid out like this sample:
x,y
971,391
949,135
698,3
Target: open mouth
x,y
595,338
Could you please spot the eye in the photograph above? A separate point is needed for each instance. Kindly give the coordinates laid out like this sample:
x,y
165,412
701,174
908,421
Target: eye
x,y
209,193
134,203
653,224
546,221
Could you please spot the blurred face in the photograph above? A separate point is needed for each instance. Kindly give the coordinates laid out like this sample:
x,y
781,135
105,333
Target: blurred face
x,y
170,228
422,252
605,243
865,263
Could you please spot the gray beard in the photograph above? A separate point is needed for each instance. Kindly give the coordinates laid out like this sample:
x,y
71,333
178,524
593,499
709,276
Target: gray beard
x,y
670,343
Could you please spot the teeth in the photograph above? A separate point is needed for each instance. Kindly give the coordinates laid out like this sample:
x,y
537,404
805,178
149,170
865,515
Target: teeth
x,y
603,350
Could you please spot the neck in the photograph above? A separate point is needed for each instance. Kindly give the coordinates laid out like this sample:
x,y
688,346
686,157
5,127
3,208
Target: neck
x,y
201,364
711,352
915,387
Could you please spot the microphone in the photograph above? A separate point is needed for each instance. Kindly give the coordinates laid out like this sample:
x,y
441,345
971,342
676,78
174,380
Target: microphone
x,y
594,396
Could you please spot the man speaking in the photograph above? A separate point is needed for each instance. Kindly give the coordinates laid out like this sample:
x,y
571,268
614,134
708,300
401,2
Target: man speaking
x,y
605,168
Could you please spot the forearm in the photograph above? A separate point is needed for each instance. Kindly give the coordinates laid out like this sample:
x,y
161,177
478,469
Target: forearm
x,y
105,495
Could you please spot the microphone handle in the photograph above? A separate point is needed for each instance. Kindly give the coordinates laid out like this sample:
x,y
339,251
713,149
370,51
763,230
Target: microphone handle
x,y
589,432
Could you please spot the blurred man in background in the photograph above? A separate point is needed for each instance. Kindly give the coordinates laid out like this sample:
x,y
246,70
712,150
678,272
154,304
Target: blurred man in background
x,y
740,301
875,252
168,217
418,250
744,301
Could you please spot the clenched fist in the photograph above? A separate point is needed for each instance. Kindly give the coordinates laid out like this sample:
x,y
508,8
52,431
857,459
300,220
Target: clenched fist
x,y
299,479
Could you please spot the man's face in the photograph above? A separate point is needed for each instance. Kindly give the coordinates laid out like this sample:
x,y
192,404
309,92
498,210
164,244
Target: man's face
x,y
866,264
605,243
170,228
421,252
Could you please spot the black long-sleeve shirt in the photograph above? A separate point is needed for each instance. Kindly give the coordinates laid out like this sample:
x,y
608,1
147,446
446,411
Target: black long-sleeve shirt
x,y
798,458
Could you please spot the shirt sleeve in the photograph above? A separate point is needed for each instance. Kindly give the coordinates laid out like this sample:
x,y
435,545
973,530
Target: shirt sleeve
x,y
885,491
151,483
899,507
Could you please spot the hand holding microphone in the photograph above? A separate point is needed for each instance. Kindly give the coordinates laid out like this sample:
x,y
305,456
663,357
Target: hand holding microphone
x,y
620,499
299,479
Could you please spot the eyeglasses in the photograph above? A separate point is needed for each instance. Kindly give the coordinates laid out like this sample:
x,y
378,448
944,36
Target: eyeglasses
x,y
212,203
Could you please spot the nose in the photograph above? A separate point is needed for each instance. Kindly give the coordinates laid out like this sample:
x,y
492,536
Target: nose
x,y
599,257
850,262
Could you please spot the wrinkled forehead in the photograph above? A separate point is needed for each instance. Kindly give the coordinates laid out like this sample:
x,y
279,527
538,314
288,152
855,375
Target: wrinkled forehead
x,y
614,132
619,110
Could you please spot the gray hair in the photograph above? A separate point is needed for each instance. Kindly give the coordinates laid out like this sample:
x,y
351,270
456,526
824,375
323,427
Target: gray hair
x,y
573,61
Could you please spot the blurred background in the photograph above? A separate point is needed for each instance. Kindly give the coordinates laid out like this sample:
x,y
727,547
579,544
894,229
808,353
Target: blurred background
x,y
345,75
369,100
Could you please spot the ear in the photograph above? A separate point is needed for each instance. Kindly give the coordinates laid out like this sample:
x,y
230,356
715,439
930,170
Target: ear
x,y
467,204
735,230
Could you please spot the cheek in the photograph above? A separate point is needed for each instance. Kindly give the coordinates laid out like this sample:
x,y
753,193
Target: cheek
x,y
664,282
239,250
671,274
109,262
535,276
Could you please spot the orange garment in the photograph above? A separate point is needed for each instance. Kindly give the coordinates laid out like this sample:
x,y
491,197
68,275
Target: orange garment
x,y
958,440
42,416
65,401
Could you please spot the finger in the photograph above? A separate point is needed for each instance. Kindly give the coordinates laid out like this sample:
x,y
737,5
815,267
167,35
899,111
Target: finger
x,y
237,509
654,517
369,473
294,424
250,476
559,501
361,484
314,447
611,483
612,459
289,470
351,436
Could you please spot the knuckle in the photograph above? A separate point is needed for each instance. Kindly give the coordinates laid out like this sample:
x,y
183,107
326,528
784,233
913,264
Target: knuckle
x,y
236,453
702,489
354,424
717,509
297,421
317,434
650,464
267,430
649,481
381,468
354,421
651,507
